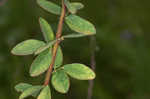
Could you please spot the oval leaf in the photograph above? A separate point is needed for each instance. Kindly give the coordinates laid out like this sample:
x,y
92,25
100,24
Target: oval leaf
x,y
60,81
45,93
41,63
79,71
77,5
49,6
46,29
59,58
71,8
30,91
80,25
22,87
27,47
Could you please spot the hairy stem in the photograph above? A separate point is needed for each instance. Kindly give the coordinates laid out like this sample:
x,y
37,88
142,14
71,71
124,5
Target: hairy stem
x,y
58,35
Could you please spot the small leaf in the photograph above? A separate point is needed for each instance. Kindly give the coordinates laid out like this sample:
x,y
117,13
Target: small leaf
x,y
71,8
45,47
79,71
77,5
45,93
49,6
30,91
59,58
80,25
46,29
22,87
27,47
74,35
60,81
41,63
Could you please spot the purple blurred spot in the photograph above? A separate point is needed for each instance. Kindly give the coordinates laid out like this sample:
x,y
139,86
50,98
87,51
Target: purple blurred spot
x,y
126,35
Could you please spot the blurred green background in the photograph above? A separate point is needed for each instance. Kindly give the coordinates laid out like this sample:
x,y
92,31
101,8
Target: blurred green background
x,y
122,51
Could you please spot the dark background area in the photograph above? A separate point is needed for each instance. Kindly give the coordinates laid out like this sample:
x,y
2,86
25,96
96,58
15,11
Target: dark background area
x,y
122,51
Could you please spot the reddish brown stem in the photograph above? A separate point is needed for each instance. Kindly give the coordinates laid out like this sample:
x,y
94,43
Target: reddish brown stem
x,y
58,35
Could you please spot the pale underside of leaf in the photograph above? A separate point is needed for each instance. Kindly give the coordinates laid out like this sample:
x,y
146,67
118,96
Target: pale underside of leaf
x,y
24,86
30,91
49,6
45,47
79,71
45,93
71,8
41,63
74,35
46,30
27,47
77,5
80,25
60,81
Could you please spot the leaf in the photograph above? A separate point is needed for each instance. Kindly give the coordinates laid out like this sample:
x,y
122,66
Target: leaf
x,y
46,29
60,81
45,47
49,6
45,93
80,25
27,47
30,91
41,63
74,35
77,5
79,71
22,87
59,58
71,8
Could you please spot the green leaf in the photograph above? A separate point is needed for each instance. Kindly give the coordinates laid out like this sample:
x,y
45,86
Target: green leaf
x,y
79,71
60,81
49,6
77,5
27,47
45,47
71,8
46,29
45,93
22,87
80,25
59,58
41,63
74,35
30,91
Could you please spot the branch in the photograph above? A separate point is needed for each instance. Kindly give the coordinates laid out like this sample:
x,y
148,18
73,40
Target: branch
x,y
58,35
2,2
93,65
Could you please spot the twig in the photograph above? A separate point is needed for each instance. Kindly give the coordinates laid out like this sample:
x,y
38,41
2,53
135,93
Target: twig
x,y
58,35
93,65
2,2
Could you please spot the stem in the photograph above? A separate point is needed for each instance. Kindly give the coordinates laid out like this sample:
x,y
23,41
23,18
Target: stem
x,y
2,2
93,65
58,35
